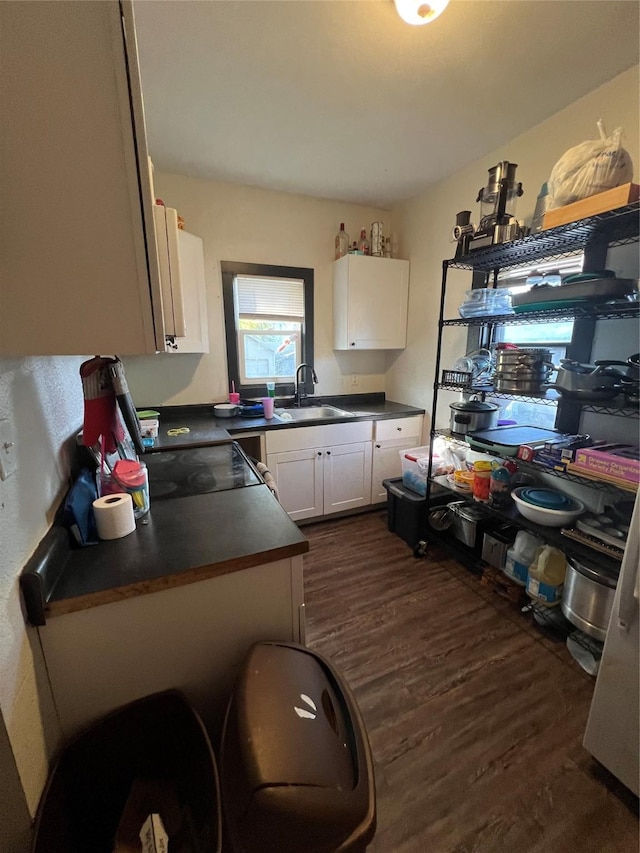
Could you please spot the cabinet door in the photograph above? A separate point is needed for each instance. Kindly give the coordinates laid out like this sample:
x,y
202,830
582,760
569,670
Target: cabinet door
x,y
370,303
386,465
347,477
191,258
80,270
390,439
299,478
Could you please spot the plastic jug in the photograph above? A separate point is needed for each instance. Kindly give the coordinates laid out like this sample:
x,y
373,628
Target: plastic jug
x,y
521,555
546,576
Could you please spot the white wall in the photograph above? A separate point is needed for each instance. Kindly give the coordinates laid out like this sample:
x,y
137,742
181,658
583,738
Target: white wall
x,y
240,223
424,225
42,399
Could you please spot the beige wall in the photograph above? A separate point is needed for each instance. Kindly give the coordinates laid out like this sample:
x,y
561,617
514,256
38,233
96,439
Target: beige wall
x,y
240,223
424,225
42,399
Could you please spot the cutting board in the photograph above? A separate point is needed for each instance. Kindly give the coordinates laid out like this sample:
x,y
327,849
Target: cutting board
x,y
599,203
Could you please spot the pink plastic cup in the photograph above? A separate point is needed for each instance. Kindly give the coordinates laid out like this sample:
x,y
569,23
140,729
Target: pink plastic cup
x,y
234,397
267,403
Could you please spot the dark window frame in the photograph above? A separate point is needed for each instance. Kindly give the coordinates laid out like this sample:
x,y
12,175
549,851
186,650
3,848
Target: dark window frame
x,y
229,270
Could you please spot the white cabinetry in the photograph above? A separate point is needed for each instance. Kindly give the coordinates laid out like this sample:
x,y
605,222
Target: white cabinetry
x,y
370,297
192,637
389,438
80,265
323,469
196,326
184,301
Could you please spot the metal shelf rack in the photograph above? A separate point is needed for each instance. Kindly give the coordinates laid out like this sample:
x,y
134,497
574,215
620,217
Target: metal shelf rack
x,y
537,470
552,535
593,235
615,228
551,398
612,311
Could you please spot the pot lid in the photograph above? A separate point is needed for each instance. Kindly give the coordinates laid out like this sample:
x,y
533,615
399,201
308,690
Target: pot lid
x,y
600,574
474,406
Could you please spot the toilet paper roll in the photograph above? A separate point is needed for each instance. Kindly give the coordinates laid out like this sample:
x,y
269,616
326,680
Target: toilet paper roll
x,y
114,516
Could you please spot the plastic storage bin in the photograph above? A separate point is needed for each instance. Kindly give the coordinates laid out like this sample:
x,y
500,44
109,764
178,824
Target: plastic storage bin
x,y
415,464
296,768
156,746
406,512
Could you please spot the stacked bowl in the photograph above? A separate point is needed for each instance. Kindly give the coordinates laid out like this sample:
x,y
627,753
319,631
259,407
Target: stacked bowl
x,y
546,506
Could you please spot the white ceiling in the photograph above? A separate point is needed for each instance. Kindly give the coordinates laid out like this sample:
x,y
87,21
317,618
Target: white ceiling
x,y
341,99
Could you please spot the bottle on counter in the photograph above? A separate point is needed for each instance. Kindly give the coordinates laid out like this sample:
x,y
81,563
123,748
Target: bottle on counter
x,y
341,242
387,247
363,243
354,248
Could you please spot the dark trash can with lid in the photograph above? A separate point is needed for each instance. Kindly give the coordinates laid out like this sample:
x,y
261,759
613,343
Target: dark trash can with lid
x,y
152,755
296,769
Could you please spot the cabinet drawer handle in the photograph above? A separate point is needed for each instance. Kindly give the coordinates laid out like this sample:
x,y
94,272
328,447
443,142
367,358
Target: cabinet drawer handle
x,y
399,429
319,453
328,453
353,343
378,446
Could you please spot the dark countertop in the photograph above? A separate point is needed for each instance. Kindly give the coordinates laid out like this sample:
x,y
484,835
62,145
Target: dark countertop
x,y
205,428
188,539
181,541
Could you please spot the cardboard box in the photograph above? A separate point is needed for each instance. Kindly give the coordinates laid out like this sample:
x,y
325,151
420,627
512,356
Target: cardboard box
x,y
599,203
610,461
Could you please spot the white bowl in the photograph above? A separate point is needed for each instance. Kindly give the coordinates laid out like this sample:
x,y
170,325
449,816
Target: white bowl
x,y
547,517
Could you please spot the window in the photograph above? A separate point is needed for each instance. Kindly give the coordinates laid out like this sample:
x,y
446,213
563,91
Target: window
x,y
269,324
554,336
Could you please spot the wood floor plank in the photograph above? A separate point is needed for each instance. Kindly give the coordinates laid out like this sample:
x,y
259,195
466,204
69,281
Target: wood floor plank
x,y
475,717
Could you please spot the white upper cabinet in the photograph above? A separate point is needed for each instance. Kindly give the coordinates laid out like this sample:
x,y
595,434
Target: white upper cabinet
x,y
195,331
79,255
370,297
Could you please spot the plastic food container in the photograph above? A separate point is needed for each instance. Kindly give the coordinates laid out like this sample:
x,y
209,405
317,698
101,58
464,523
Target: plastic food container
x,y
486,302
149,428
127,476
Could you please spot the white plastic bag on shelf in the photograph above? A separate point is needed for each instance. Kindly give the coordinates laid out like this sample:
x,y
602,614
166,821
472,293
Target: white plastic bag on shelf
x,y
449,455
590,168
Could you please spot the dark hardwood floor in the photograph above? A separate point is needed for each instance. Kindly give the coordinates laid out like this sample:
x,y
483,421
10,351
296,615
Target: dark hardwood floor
x,y
475,718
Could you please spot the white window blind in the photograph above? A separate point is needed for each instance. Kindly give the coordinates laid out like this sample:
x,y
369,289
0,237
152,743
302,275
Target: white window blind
x,y
269,298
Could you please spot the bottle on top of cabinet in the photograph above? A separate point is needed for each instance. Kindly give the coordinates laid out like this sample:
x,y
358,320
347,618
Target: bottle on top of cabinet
x,y
363,243
341,242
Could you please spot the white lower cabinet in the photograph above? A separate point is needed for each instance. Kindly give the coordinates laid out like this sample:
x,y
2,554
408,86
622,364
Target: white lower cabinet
x,y
192,637
321,470
390,438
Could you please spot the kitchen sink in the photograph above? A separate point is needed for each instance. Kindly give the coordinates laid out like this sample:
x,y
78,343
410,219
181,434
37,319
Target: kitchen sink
x,y
312,413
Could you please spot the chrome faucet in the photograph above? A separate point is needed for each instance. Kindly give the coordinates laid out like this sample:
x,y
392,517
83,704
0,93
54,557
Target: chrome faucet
x,y
300,393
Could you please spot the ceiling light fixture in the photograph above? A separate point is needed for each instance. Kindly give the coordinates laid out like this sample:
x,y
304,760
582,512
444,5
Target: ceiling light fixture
x,y
420,12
